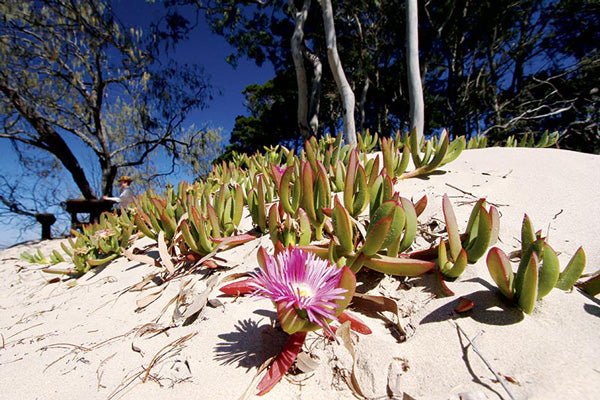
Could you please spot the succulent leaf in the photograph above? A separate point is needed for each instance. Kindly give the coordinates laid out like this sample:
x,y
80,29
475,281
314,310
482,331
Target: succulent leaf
x,y
527,233
396,228
592,285
397,266
376,233
305,228
456,147
348,282
549,271
459,265
495,216
529,289
500,271
410,227
420,205
572,271
342,226
281,363
473,220
479,245
307,201
451,227
350,179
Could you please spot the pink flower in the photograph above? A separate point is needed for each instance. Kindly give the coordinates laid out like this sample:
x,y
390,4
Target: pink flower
x,y
308,291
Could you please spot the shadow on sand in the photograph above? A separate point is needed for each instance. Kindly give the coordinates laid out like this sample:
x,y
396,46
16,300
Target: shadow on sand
x,y
489,308
250,344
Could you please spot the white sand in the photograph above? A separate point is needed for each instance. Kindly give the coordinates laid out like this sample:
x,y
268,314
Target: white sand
x,y
59,342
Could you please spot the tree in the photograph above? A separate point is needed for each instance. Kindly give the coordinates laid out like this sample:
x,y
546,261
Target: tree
x,y
415,88
74,80
270,119
518,68
296,44
346,93
274,32
496,68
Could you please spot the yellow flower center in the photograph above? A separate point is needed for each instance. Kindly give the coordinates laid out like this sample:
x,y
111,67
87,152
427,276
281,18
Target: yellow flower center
x,y
303,290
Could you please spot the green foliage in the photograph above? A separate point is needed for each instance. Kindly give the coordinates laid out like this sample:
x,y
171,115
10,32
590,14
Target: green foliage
x,y
496,68
194,219
290,197
528,140
73,77
538,272
270,122
39,258
454,253
98,243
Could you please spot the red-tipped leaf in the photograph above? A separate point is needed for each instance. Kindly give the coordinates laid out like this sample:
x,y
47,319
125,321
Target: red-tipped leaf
x,y
238,288
355,323
281,363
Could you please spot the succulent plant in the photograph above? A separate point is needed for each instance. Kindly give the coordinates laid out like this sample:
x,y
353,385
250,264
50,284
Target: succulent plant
x,y
366,142
356,193
477,142
155,214
436,152
453,254
538,272
308,294
193,221
395,160
315,195
290,189
288,230
98,243
481,232
227,204
257,206
39,258
391,231
381,189
202,233
528,140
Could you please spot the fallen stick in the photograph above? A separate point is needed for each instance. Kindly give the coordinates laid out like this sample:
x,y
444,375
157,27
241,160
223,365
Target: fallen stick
x,y
487,364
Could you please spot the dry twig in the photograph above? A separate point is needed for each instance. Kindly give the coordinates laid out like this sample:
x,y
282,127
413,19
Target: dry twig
x,y
487,364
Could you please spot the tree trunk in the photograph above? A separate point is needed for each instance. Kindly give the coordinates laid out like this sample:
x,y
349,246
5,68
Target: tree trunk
x,y
109,173
335,64
415,89
315,91
296,45
49,140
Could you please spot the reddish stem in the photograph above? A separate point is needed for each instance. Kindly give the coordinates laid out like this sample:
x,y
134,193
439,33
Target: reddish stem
x,y
282,363
446,291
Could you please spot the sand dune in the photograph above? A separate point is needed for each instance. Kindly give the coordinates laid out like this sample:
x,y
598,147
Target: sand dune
x,y
85,339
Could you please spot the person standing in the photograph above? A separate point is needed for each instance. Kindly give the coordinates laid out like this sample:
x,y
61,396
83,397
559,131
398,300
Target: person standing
x,y
126,196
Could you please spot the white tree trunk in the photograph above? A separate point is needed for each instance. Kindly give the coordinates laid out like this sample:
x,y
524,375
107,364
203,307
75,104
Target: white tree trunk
x,y
415,89
315,91
335,64
296,45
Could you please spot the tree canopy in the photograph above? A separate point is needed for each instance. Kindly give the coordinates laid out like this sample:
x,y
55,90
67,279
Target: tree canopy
x,y
79,87
497,68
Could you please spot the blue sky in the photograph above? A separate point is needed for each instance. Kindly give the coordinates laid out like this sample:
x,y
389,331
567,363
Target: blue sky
x,y
204,48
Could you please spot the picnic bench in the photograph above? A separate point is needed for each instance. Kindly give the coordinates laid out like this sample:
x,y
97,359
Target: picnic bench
x,y
92,207
46,220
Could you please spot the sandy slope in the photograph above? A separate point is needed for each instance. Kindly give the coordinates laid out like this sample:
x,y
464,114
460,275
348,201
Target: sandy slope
x,y
84,341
